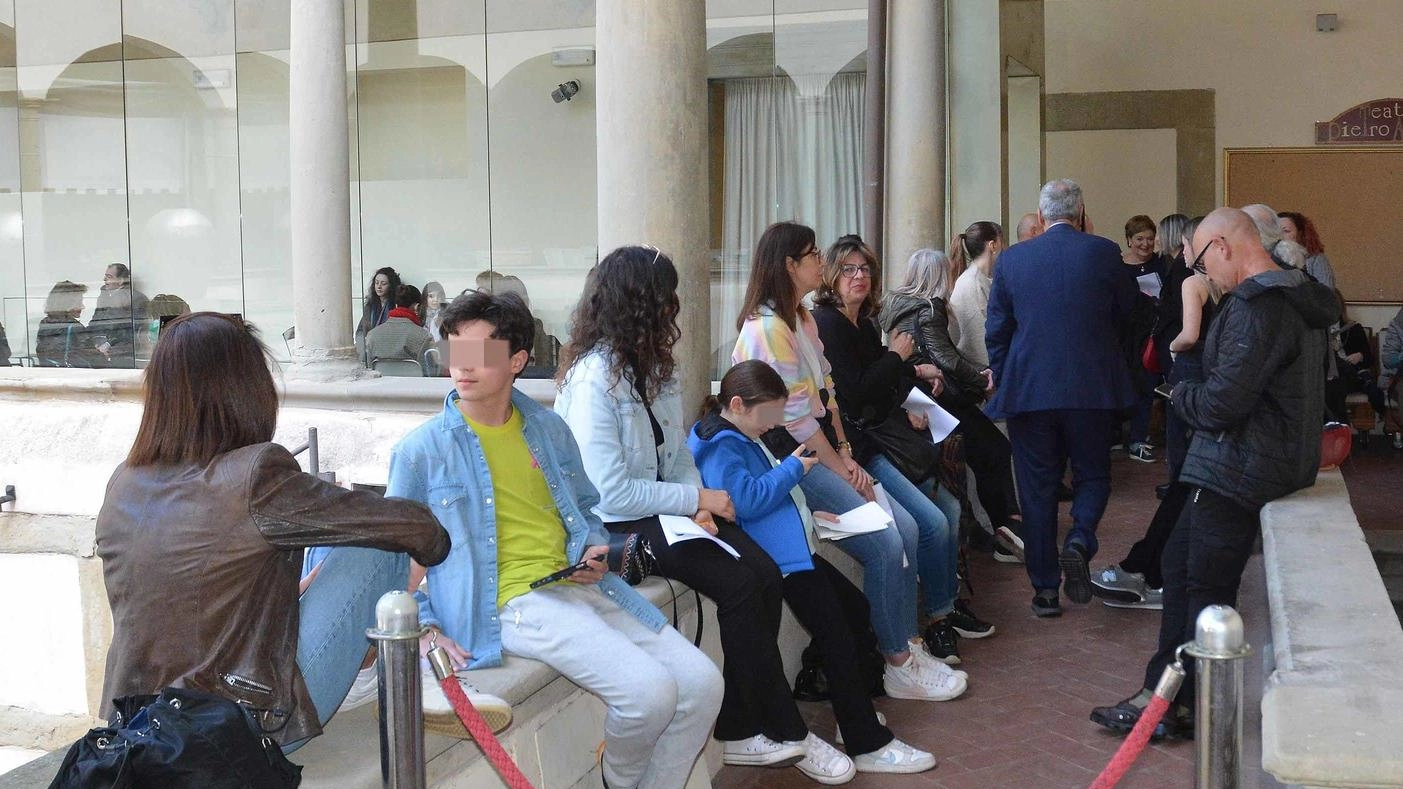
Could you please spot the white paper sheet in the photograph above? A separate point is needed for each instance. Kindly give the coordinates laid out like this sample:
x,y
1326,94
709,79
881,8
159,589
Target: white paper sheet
x,y
869,517
942,422
677,528
1149,284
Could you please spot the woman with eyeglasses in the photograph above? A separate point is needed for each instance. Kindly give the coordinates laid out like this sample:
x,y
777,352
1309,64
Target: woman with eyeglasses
x,y
777,329
1136,582
620,396
871,382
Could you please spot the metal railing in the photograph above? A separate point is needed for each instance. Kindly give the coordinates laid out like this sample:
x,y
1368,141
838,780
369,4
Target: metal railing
x,y
313,458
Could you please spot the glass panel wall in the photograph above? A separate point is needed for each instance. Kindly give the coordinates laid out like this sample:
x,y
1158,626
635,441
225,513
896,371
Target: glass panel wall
x,y
144,154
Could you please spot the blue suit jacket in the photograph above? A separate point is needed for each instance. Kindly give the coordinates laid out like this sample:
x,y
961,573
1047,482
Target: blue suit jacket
x,y
1056,313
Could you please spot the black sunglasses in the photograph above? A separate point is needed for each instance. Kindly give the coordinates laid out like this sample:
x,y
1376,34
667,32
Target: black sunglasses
x,y
1198,264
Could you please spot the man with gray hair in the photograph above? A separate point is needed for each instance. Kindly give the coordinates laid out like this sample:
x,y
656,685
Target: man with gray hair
x,y
1057,308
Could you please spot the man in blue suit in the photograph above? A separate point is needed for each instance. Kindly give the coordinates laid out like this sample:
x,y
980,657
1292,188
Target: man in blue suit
x,y
1056,312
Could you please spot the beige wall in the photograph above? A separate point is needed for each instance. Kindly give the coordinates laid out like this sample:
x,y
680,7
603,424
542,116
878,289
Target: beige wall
x,y
1273,74
1122,172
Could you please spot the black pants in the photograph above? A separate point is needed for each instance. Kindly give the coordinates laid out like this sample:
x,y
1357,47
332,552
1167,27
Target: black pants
x,y
749,596
836,614
1146,556
990,456
1203,563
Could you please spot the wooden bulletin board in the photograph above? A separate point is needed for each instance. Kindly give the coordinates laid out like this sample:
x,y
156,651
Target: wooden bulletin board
x,y
1353,195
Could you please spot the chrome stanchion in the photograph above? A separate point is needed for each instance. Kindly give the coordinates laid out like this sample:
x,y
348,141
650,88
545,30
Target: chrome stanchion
x,y
1218,648
396,636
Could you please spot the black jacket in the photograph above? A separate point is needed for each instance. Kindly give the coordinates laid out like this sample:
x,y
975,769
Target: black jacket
x,y
1257,417
870,380
928,324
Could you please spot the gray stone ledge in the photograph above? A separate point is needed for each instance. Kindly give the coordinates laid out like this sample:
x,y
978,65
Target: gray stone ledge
x,y
1332,713
373,394
30,729
71,535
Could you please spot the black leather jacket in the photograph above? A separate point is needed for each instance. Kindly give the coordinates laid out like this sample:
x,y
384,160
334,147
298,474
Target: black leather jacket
x,y
929,325
202,567
1257,417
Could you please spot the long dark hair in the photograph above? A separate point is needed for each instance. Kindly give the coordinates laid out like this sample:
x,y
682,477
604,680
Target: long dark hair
x,y
372,300
208,390
629,308
970,244
770,283
753,381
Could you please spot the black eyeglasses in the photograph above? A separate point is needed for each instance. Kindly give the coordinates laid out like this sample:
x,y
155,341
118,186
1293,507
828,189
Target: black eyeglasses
x,y
1198,264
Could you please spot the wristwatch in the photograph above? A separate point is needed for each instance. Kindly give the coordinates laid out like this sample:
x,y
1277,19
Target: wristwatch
x,y
842,445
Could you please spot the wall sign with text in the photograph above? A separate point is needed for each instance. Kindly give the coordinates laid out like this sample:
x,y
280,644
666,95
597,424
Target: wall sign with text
x,y
1370,123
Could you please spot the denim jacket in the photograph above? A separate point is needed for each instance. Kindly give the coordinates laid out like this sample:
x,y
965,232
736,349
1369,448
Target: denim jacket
x,y
611,424
442,464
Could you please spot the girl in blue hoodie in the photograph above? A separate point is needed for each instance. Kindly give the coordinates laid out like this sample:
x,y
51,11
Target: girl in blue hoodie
x,y
771,508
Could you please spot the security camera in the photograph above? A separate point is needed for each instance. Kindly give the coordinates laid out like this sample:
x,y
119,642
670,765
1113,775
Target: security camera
x,y
565,91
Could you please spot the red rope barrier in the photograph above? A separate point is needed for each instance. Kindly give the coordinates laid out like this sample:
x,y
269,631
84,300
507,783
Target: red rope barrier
x,y
1134,744
482,733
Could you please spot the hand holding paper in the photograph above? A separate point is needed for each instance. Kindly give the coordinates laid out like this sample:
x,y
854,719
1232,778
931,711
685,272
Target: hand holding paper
x,y
676,528
942,423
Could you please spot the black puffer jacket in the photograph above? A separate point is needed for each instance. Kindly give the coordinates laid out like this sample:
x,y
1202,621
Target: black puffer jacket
x,y
1257,417
928,324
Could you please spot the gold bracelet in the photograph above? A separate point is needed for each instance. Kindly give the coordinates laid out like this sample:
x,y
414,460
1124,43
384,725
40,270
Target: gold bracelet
x,y
842,445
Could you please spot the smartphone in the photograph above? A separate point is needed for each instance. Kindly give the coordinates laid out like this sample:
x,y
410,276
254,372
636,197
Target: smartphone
x,y
560,575
1165,390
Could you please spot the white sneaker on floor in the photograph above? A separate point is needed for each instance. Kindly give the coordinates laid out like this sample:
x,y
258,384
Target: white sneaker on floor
x,y
896,757
439,717
364,690
838,731
824,763
933,664
761,751
910,681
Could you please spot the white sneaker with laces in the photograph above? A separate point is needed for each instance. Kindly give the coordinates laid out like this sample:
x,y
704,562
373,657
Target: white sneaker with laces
x,y
439,717
933,664
364,690
909,681
838,731
824,763
896,757
761,751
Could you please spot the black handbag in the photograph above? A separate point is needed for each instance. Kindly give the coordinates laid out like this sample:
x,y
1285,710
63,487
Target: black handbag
x,y
909,449
631,557
180,739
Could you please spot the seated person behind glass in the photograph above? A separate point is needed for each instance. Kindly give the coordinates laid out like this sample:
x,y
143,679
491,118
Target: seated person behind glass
x,y
402,335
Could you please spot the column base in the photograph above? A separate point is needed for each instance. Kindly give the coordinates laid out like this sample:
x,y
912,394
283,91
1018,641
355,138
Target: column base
x,y
327,365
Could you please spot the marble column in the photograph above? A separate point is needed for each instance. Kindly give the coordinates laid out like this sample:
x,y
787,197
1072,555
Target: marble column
x,y
651,110
915,204
320,191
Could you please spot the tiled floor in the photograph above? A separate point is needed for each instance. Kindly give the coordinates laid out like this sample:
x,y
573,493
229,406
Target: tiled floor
x,y
1023,722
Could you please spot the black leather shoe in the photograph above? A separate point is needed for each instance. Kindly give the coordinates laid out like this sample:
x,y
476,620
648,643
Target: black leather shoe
x,y
1177,724
1076,576
1046,604
1161,491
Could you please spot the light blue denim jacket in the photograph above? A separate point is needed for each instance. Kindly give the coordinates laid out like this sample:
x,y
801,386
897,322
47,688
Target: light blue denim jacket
x,y
442,464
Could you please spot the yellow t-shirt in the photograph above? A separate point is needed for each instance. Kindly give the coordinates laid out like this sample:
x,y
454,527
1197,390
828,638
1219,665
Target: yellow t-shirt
x,y
530,539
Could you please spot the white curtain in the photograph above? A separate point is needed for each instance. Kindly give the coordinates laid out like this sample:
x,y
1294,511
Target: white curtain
x,y
793,149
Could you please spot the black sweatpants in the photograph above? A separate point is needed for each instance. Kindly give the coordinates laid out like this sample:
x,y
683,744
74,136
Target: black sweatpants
x,y
749,597
1146,555
1203,563
837,615
990,456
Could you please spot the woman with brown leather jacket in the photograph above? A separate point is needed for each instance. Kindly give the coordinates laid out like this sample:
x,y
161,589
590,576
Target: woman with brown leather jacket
x,y
201,536
918,307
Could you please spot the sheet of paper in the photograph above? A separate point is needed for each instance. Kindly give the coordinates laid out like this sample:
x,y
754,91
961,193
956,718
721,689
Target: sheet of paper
x,y
869,517
880,495
1149,284
942,422
677,528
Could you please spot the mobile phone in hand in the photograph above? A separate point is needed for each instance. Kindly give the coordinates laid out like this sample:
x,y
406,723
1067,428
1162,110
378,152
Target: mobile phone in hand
x,y
560,575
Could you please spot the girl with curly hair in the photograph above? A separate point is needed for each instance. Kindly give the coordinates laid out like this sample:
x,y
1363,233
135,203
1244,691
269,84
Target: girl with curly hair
x,y
620,396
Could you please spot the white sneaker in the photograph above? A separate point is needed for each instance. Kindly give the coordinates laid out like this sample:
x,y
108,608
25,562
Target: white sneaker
x,y
761,751
824,763
896,757
439,717
909,681
933,664
838,733
364,690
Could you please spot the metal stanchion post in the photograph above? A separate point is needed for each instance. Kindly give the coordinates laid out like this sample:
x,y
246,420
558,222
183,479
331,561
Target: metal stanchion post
x,y
1219,647
396,635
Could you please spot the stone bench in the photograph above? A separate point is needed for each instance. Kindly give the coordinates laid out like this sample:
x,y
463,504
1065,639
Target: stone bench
x,y
1332,711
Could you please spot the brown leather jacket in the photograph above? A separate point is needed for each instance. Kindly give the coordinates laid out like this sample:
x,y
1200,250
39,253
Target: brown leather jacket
x,y
202,567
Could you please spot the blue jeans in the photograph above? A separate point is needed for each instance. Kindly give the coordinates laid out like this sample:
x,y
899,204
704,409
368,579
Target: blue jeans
x,y
888,578
335,612
937,515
